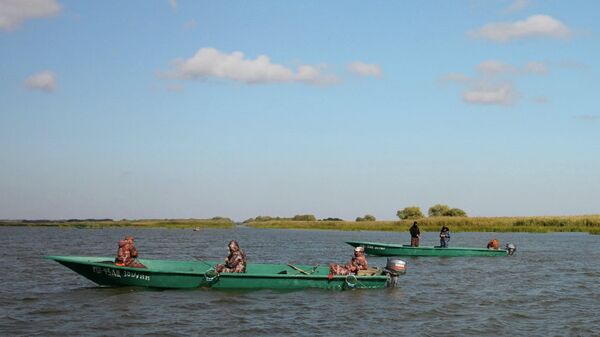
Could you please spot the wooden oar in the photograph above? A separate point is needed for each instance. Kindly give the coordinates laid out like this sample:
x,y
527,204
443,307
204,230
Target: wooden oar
x,y
208,264
298,269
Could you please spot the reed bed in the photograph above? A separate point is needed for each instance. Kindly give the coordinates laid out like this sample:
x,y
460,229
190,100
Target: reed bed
x,y
145,223
538,224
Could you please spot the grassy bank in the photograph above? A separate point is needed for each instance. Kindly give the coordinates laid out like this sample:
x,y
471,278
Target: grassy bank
x,y
145,223
584,223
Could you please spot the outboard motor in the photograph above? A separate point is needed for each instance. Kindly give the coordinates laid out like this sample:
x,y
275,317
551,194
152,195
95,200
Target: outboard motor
x,y
394,268
510,248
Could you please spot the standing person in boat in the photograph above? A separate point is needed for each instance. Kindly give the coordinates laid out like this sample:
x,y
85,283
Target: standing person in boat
x,y
444,236
358,262
415,235
235,262
493,244
127,254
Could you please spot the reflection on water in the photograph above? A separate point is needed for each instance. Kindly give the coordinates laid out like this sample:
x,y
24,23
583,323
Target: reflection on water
x,y
548,288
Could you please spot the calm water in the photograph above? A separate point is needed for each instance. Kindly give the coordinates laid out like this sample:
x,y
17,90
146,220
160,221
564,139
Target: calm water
x,y
549,288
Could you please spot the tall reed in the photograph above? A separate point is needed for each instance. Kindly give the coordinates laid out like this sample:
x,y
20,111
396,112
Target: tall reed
x,y
539,224
145,223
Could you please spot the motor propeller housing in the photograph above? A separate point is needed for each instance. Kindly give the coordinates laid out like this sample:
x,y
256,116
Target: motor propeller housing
x,y
394,268
510,248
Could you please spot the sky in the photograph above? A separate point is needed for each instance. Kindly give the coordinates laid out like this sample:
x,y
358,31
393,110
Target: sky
x,y
195,109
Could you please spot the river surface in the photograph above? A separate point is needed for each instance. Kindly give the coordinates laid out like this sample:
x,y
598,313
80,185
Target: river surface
x,y
550,287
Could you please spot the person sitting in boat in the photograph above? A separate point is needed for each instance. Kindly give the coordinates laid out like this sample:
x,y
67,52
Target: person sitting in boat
x,y
493,244
358,262
127,254
235,262
415,235
444,236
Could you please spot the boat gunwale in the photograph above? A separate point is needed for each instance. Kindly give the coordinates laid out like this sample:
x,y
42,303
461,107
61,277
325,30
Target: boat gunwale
x,y
408,247
67,259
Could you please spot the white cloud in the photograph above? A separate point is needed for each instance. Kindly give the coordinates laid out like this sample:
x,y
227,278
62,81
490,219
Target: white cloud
x,y
14,12
538,68
504,94
496,68
587,118
175,87
533,26
517,6
44,81
365,69
572,64
493,83
492,67
456,77
190,24
173,4
211,63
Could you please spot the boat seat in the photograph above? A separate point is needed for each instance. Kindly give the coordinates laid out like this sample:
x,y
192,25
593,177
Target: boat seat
x,y
369,272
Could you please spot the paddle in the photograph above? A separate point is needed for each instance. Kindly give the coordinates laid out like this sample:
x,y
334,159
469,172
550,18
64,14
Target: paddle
x,y
209,265
298,269
208,276
304,271
206,263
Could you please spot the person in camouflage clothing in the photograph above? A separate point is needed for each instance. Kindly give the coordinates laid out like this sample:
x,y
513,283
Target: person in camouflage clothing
x,y
493,244
235,262
358,262
127,254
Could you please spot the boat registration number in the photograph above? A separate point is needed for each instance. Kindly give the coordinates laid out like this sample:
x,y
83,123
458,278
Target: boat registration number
x,y
120,273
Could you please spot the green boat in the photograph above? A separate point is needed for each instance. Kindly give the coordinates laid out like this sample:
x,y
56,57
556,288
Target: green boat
x,y
388,249
195,274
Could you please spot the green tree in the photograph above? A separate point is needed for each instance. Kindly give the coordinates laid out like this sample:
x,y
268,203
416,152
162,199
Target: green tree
x,y
455,212
367,217
261,218
444,210
304,217
221,218
412,212
438,210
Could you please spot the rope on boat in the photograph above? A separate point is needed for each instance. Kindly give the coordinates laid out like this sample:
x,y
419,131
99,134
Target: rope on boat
x,y
211,275
351,281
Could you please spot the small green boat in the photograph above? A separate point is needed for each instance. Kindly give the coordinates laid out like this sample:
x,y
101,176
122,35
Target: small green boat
x,y
194,274
388,249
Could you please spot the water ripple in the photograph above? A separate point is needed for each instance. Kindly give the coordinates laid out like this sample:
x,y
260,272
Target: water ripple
x,y
548,289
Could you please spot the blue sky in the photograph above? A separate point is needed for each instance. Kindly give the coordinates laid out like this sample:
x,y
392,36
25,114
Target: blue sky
x,y
176,109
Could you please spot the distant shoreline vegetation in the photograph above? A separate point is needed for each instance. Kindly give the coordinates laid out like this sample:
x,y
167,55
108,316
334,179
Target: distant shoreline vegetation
x,y
532,224
216,222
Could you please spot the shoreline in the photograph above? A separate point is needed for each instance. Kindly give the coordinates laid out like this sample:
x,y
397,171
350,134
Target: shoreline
x,y
145,223
540,224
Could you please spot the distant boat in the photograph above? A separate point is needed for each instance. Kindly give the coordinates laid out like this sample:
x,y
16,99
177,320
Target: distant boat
x,y
197,229
194,274
388,249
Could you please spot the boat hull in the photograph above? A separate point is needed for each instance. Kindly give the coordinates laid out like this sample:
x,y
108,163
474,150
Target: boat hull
x,y
107,274
195,274
386,249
